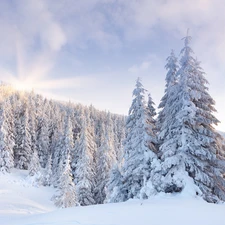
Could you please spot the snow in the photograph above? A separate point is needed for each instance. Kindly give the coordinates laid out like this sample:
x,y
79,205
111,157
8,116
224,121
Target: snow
x,y
19,198
24,204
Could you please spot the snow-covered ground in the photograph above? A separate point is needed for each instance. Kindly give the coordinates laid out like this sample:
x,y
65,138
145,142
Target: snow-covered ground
x,y
19,198
23,204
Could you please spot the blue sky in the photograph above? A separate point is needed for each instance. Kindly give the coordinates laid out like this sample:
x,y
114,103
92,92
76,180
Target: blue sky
x,y
92,51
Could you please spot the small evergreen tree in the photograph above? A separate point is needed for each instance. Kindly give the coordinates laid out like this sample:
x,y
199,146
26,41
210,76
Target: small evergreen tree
x,y
115,187
48,173
34,166
67,193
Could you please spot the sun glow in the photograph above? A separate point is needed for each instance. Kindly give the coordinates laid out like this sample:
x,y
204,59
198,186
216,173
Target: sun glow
x,y
22,85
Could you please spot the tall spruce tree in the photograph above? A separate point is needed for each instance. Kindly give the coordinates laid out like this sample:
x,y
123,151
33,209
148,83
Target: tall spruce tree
x,y
189,147
105,161
139,146
57,155
43,144
67,192
84,176
22,150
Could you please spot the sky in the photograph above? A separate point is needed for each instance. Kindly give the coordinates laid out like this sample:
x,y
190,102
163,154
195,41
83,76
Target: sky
x,y
92,51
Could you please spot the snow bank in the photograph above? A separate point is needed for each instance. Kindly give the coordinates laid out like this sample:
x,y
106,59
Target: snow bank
x,y
23,204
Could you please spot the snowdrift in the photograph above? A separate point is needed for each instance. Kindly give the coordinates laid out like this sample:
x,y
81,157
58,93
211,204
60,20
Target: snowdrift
x,y
22,203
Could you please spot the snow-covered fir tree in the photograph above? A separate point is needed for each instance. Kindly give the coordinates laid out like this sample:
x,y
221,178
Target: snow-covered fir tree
x,y
67,196
6,139
84,177
23,144
139,144
67,192
171,80
120,138
48,173
43,142
63,147
57,155
188,150
34,166
114,192
151,124
105,161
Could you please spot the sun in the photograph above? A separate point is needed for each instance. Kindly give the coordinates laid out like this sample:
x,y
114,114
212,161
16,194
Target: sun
x,y
22,85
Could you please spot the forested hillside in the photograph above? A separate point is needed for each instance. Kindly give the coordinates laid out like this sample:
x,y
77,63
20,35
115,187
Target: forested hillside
x,y
60,143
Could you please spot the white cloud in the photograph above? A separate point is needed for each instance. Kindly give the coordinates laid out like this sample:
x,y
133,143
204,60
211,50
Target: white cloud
x,y
138,68
36,21
145,65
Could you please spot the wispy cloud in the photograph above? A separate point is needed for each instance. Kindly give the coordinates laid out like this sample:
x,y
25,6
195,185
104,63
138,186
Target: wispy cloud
x,y
138,68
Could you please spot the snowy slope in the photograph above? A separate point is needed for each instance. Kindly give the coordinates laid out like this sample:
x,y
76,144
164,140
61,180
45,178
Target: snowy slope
x,y
19,198
23,204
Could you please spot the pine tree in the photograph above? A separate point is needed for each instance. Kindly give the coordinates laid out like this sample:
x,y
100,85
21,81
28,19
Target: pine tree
x,y
34,166
32,122
105,161
139,146
171,80
56,146
115,186
57,155
48,172
43,141
7,141
67,193
67,196
110,136
188,151
22,149
151,124
121,136
84,174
